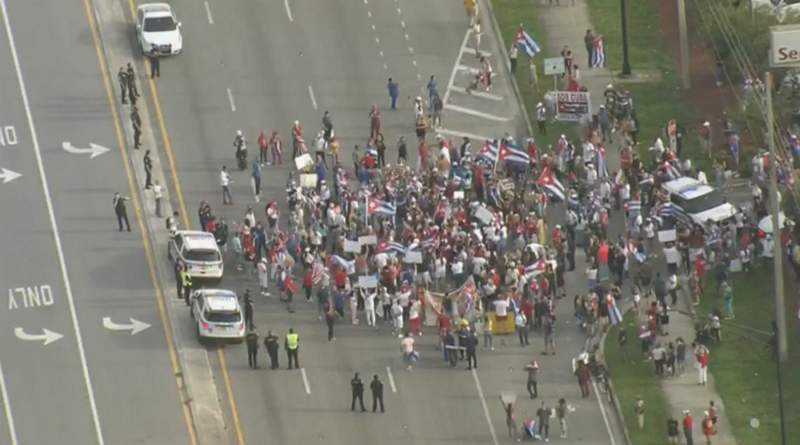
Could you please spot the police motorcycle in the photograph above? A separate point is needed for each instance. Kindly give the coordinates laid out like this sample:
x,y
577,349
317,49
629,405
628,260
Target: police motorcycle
x,y
240,145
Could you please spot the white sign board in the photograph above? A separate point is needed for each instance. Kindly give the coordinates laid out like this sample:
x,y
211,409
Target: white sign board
x,y
352,246
484,215
784,46
368,240
672,256
458,194
413,257
554,66
367,281
572,106
667,236
303,161
308,180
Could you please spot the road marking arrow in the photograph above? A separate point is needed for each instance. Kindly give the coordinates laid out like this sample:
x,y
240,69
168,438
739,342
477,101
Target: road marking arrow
x,y
94,149
48,336
135,325
8,175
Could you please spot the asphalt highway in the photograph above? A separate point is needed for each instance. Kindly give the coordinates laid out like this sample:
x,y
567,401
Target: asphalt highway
x,y
98,383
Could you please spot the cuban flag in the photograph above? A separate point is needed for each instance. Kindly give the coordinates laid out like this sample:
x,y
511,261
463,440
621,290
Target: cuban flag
x,y
614,314
551,185
377,206
489,152
634,207
526,43
391,248
670,170
598,53
536,268
317,272
348,266
510,152
602,164
664,210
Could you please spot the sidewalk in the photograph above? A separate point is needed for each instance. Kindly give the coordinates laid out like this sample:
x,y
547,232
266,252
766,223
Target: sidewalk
x,y
566,25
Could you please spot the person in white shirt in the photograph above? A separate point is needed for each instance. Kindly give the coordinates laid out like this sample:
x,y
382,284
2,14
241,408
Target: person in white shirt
x,y
397,318
225,182
158,194
369,308
409,355
354,307
501,307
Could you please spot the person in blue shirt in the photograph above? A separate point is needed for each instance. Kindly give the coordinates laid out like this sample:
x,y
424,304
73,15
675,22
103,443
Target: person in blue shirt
x,y
433,89
394,92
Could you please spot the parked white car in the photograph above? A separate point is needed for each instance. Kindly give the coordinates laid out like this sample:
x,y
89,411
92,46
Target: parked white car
x,y
217,315
157,29
198,251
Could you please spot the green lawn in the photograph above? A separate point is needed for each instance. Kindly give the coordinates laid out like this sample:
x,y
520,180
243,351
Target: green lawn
x,y
633,378
743,366
509,14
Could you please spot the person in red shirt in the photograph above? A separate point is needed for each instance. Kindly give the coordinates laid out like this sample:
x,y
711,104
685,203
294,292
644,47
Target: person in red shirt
x,y
308,282
340,278
688,426
708,427
527,309
700,268
263,147
290,287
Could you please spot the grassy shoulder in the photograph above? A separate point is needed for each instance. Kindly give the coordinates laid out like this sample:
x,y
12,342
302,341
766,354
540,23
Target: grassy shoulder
x,y
634,378
743,365
510,14
659,101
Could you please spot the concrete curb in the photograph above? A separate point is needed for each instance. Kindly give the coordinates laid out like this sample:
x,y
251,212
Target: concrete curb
x,y
197,388
506,68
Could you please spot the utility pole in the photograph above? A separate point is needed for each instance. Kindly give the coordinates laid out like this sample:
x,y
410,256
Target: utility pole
x,y
777,254
626,64
683,36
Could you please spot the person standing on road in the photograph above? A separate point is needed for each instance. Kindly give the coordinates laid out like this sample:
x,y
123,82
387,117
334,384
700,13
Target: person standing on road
x,y
155,63
136,122
292,348
121,211
688,426
133,91
376,386
122,76
471,344
186,285
178,272
588,42
533,379
256,180
541,118
252,349
561,415
248,310
225,182
543,414
521,322
394,92
511,423
374,122
330,320
148,169
584,377
402,151
433,89
158,195
272,346
357,387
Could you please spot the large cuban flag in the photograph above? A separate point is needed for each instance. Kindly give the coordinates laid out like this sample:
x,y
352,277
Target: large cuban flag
x,y
511,152
526,43
551,185
377,206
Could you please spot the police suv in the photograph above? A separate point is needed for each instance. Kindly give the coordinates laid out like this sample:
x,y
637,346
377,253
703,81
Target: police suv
x,y
198,251
217,315
694,203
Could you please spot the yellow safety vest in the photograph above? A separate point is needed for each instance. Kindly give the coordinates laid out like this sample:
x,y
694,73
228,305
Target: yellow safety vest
x,y
292,341
186,279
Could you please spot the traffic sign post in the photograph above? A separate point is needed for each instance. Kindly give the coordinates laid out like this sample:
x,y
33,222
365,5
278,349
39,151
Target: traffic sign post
x,y
554,66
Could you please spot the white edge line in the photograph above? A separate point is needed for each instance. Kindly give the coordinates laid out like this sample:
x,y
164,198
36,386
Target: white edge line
x,y
288,10
485,407
603,412
455,68
7,406
391,379
471,50
467,68
305,380
477,113
311,96
54,225
208,13
230,100
473,137
479,94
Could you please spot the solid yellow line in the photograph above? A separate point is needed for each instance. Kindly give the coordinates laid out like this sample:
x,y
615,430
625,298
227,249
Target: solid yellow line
x,y
162,313
185,220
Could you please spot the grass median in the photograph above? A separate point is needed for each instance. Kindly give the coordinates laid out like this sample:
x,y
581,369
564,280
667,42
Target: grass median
x,y
743,365
634,378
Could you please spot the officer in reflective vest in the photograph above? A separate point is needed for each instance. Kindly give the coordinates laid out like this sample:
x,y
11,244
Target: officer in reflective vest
x,y
186,283
292,347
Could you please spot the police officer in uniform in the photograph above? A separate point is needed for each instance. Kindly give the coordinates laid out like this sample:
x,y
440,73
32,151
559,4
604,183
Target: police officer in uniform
x,y
122,76
252,349
186,282
271,344
178,278
121,211
248,310
376,386
357,387
136,122
155,63
148,169
292,348
132,90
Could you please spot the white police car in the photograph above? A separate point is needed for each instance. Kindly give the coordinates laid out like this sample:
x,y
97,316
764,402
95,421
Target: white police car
x,y
217,315
198,251
157,29
694,203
